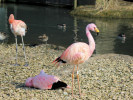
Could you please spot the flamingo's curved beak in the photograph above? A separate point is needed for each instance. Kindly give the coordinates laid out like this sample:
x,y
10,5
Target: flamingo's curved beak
x,y
97,30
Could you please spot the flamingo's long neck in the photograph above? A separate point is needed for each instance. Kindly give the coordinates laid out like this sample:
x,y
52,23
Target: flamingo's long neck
x,y
91,40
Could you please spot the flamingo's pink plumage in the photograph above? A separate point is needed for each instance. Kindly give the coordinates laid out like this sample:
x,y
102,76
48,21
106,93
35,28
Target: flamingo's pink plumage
x,y
76,53
79,52
18,27
43,81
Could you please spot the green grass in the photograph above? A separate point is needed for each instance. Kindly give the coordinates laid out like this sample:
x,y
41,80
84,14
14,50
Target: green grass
x,y
90,11
116,13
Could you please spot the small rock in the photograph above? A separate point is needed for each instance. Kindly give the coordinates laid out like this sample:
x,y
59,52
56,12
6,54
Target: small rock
x,y
65,93
60,90
131,77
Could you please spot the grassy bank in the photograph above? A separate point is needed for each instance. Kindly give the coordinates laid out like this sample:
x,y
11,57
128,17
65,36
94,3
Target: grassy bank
x,y
102,77
121,11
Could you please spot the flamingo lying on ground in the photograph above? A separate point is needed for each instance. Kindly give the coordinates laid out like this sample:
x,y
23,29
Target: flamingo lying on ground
x,y
79,52
18,27
45,81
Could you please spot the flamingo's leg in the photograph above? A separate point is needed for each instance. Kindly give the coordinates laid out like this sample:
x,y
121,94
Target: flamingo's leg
x,y
26,63
73,79
78,82
16,60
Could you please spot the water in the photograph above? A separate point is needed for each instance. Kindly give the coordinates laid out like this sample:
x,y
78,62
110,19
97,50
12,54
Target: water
x,y
44,20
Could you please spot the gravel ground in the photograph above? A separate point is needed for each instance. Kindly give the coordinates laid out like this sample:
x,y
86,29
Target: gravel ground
x,y
102,77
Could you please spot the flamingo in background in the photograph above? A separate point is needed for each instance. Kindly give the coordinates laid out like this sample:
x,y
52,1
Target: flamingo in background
x,y
45,81
78,53
18,27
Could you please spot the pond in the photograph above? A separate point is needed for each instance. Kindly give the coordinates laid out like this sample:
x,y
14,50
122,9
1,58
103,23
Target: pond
x,y
49,20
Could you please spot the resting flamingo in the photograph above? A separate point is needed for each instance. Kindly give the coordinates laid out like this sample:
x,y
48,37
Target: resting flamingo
x,y
78,53
45,81
18,27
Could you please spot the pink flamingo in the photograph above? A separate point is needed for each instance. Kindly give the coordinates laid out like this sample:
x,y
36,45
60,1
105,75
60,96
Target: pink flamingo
x,y
18,27
79,52
45,81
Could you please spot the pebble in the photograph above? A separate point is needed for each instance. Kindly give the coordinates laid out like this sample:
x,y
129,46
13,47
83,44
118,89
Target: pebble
x,y
105,76
131,77
65,93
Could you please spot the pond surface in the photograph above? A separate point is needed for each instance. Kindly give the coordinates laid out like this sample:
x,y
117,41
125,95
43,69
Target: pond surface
x,y
46,20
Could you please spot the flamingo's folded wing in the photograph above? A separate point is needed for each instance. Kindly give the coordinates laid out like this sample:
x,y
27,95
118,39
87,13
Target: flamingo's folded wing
x,y
44,81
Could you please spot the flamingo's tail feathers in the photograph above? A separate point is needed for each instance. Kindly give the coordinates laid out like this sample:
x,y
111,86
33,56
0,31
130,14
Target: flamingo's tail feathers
x,y
58,85
59,61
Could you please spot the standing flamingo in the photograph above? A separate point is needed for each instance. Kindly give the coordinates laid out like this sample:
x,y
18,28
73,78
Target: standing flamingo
x,y
18,27
45,81
78,53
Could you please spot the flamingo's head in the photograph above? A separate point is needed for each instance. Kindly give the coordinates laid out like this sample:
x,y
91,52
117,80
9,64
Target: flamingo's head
x,y
29,82
11,19
93,28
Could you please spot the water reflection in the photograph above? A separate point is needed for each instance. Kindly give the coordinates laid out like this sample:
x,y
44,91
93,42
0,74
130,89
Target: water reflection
x,y
40,19
75,29
107,41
